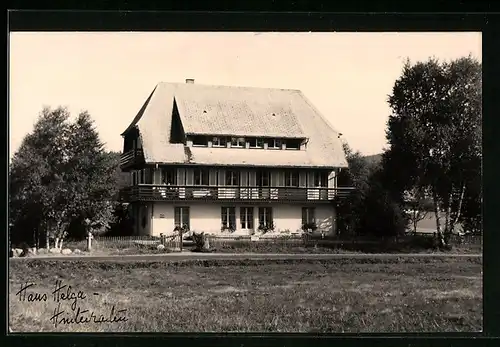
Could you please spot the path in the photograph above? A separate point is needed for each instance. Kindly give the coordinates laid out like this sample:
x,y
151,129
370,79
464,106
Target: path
x,y
239,256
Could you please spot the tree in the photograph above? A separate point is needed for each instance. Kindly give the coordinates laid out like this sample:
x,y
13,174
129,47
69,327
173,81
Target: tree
x,y
434,133
59,177
370,209
37,189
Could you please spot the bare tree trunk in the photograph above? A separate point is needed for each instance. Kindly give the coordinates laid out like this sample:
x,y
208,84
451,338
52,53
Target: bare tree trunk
x,y
47,240
448,211
437,214
459,208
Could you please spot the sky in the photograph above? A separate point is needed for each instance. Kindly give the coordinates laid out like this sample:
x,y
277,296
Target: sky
x,y
348,76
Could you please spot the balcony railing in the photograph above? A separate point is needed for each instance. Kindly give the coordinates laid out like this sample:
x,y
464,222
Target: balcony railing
x,y
148,192
130,158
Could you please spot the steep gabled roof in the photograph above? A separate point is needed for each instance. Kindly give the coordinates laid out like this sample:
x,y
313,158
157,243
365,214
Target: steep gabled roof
x,y
238,111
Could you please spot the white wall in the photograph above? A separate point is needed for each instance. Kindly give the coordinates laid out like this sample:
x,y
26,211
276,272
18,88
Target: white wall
x,y
286,217
207,217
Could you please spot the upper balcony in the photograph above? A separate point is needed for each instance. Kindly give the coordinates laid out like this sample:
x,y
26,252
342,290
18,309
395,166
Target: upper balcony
x,y
132,158
149,192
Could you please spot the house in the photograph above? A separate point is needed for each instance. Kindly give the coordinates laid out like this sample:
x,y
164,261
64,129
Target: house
x,y
235,160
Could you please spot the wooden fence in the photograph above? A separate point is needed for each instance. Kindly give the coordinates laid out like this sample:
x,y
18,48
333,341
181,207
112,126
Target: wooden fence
x,y
123,242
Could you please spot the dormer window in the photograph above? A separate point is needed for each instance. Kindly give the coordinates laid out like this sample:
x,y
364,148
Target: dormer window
x,y
218,141
200,140
274,143
256,142
293,143
238,142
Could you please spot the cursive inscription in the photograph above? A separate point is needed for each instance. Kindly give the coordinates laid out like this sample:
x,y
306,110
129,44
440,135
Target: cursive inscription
x,y
68,308
80,316
64,292
24,295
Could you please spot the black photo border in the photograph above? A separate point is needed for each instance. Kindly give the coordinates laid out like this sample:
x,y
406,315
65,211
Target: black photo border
x,y
487,23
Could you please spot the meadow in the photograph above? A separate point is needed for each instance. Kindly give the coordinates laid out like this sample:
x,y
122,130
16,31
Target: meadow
x,y
342,295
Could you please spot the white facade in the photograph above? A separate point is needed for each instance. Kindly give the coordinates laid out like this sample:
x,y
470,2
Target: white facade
x,y
206,217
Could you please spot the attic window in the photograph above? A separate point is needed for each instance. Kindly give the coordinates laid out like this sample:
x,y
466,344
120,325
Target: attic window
x,y
219,141
256,142
200,140
238,142
293,143
274,143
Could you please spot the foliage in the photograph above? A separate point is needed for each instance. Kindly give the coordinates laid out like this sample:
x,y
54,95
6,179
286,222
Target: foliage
x,y
309,226
227,228
434,133
60,177
370,208
265,228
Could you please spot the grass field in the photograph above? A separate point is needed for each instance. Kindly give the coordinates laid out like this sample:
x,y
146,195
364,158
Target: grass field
x,y
344,295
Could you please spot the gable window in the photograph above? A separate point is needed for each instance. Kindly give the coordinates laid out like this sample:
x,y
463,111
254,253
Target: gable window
x,y
201,177
274,143
232,178
256,142
320,179
308,215
181,217
238,142
218,141
265,216
199,140
291,179
293,143
228,218
168,177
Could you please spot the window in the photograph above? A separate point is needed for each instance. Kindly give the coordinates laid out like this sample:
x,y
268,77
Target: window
x,y
293,143
321,179
200,140
256,142
274,143
308,215
232,178
219,141
291,179
265,216
238,142
263,178
181,217
201,177
228,217
246,217
135,179
168,177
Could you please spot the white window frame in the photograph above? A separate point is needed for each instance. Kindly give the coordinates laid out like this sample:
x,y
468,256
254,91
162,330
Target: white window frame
x,y
246,217
273,144
226,214
238,142
267,211
254,142
217,140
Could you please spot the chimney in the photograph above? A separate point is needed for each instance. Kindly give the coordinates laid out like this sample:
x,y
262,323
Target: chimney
x,y
190,80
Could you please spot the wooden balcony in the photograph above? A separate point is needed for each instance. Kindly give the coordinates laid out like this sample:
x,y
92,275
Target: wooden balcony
x,y
149,192
131,158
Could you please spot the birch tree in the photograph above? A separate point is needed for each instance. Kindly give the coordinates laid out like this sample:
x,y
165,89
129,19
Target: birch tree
x,y
434,133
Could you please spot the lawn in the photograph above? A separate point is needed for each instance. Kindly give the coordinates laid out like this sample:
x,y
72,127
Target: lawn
x,y
342,295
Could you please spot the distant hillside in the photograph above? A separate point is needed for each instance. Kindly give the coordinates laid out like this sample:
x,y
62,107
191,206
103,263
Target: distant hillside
x,y
374,159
